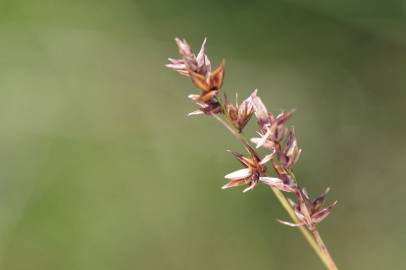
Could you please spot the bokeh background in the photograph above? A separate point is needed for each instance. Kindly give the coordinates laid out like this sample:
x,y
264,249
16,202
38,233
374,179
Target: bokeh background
x,y
101,169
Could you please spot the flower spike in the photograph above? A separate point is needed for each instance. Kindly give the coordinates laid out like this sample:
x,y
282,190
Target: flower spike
x,y
278,141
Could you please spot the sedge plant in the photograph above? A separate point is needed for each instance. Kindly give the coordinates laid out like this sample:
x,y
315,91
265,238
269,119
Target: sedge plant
x,y
276,168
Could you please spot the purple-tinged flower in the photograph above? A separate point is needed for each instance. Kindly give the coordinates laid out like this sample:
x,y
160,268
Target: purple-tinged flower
x,y
275,129
271,128
240,114
263,141
250,175
199,64
291,152
284,182
309,212
261,112
279,184
197,67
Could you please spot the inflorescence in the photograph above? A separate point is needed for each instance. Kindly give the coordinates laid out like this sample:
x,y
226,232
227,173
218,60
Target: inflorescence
x,y
278,140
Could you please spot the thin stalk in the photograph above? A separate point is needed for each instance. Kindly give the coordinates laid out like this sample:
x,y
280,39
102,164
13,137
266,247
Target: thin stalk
x,y
318,244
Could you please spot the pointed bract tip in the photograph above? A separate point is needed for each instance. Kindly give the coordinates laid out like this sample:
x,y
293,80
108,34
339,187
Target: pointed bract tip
x,y
198,112
289,223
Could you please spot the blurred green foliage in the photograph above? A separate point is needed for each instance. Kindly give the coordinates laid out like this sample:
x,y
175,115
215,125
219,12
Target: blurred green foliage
x,y
101,169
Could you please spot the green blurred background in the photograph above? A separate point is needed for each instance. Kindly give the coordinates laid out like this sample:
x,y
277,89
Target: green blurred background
x,y
101,169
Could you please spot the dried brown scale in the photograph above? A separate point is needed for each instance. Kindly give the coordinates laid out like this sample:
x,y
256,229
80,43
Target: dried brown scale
x,y
210,82
240,114
280,141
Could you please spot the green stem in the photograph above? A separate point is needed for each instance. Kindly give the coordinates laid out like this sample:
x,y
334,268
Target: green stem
x,y
331,264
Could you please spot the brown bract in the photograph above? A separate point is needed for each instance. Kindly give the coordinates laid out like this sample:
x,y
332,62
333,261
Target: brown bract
x,y
210,81
239,114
